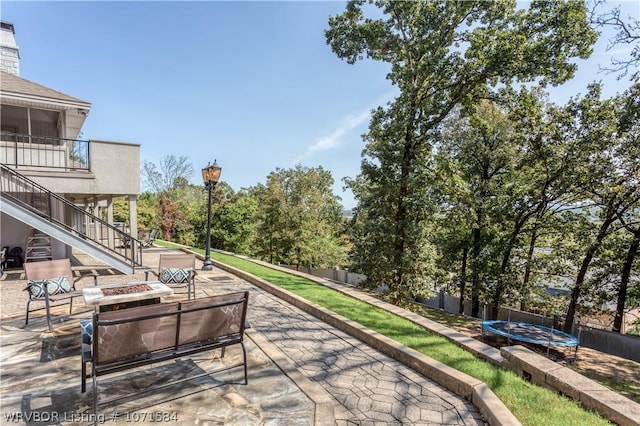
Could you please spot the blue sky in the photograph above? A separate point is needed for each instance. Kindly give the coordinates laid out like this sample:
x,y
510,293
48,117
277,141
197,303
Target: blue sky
x,y
251,84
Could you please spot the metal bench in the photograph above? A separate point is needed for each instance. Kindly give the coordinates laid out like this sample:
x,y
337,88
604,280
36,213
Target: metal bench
x,y
135,337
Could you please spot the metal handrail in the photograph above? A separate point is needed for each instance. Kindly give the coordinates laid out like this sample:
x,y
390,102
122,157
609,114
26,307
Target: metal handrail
x,y
72,218
20,149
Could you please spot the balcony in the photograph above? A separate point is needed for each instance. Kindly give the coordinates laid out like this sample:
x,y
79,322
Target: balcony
x,y
30,151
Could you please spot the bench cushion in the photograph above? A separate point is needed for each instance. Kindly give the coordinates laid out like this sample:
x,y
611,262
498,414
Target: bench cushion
x,y
175,275
86,334
54,286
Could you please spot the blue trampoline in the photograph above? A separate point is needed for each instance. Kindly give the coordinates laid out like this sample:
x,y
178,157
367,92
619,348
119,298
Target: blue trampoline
x,y
531,333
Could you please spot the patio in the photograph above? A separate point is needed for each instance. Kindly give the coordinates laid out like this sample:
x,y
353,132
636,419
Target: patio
x,y
41,373
302,371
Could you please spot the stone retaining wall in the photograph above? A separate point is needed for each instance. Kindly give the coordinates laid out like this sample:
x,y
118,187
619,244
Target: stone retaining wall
x,y
592,395
524,362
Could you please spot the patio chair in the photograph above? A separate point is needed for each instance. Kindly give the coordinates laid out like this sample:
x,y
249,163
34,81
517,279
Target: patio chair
x,y
3,257
150,238
176,270
13,257
125,240
49,282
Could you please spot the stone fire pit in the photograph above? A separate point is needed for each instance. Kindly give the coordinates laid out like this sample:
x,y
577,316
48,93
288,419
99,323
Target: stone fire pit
x,y
128,289
123,296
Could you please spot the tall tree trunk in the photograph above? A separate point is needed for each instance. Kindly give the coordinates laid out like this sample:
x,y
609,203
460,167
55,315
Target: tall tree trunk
x,y
527,268
624,280
506,258
463,279
401,212
582,273
475,271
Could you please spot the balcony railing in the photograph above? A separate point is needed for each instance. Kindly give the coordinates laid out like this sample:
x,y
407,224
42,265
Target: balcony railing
x,y
18,149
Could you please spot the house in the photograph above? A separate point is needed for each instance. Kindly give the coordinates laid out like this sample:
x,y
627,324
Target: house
x,y
57,189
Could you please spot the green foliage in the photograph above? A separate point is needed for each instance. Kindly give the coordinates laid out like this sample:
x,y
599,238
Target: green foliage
x,y
299,219
443,55
148,213
234,228
167,180
608,177
191,207
295,218
120,210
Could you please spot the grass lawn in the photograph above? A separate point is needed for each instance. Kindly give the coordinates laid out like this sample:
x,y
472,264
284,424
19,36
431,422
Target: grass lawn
x,y
531,404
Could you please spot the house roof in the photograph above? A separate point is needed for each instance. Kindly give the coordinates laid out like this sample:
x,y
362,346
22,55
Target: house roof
x,y
11,84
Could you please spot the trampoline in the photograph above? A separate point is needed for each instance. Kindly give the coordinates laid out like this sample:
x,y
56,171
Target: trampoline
x,y
531,333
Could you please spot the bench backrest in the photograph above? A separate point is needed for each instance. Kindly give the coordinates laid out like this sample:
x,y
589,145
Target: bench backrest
x,y
177,260
48,269
140,332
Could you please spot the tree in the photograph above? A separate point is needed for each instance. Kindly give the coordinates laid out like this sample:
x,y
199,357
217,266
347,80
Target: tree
x,y
627,32
442,55
234,227
148,211
483,155
300,218
173,173
610,175
189,225
120,210
630,121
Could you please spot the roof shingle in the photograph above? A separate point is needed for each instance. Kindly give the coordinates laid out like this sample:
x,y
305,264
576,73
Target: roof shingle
x,y
10,83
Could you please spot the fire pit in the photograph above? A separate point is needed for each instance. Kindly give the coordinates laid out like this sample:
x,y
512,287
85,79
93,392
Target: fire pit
x,y
127,289
123,296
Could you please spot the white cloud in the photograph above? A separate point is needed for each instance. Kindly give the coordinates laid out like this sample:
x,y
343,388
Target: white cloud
x,y
335,138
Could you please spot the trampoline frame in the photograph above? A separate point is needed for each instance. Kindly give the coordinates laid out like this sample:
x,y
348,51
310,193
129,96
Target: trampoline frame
x,y
571,339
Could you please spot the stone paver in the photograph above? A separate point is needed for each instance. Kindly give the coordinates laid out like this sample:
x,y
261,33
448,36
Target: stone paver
x,y
365,386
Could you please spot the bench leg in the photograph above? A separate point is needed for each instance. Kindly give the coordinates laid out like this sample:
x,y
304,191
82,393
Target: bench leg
x,y
244,360
95,395
26,318
48,309
83,387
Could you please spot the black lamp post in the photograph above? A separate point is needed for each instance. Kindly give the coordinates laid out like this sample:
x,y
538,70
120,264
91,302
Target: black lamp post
x,y
210,176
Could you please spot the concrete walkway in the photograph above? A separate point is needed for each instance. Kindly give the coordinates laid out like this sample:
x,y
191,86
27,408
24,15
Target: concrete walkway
x,y
302,371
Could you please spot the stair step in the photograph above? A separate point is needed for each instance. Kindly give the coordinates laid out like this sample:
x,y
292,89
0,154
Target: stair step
x,y
38,246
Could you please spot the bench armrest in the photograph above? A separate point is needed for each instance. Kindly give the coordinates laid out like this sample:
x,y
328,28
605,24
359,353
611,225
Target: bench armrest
x,y
146,274
95,279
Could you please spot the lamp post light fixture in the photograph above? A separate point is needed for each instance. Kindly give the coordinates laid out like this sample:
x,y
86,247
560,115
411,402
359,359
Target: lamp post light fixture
x,y
210,176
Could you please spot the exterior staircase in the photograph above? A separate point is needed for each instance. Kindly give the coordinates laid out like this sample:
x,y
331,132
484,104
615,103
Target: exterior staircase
x,y
38,246
50,216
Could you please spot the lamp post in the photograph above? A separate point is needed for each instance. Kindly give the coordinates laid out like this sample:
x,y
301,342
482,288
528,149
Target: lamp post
x,y
210,176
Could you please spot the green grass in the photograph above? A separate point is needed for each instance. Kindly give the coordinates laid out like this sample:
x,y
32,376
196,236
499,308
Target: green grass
x,y
531,404
625,388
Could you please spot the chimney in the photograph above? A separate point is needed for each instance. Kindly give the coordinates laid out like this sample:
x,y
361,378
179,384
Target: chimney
x,y
9,52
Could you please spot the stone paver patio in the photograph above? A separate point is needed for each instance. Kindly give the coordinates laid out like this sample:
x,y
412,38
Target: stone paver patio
x,y
302,371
